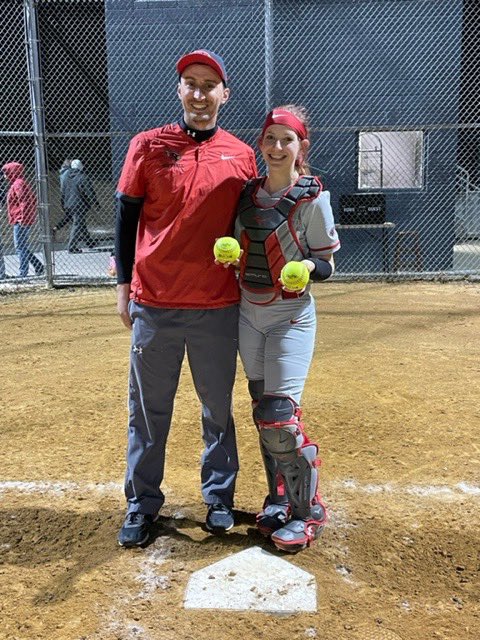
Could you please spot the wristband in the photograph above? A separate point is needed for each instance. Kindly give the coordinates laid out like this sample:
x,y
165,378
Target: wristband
x,y
323,270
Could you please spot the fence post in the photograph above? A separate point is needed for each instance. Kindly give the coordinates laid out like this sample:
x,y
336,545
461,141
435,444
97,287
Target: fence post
x,y
32,43
268,54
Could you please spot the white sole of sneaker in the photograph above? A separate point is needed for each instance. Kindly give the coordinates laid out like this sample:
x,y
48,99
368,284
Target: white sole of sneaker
x,y
135,544
218,530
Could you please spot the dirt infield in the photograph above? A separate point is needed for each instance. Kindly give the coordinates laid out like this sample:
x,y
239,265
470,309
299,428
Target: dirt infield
x,y
393,400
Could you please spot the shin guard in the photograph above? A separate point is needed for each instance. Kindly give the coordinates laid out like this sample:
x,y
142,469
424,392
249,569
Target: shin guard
x,y
283,438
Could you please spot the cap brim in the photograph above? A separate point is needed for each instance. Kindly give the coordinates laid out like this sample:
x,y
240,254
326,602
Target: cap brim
x,y
198,58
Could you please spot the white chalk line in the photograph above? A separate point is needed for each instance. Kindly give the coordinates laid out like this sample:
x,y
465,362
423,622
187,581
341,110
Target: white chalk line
x,y
60,488
151,581
420,491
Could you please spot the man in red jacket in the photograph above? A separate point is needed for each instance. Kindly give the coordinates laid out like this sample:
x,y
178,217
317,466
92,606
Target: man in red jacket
x,y
22,215
177,193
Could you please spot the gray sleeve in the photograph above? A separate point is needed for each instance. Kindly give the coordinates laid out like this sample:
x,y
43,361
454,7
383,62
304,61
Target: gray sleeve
x,y
88,192
319,226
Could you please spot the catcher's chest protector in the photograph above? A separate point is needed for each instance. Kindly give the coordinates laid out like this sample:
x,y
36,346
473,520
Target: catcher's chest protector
x,y
268,236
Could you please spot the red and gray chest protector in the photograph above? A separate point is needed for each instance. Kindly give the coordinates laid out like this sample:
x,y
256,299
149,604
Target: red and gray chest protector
x,y
268,236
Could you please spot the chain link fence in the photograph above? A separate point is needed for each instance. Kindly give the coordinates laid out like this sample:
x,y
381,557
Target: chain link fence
x,y
391,87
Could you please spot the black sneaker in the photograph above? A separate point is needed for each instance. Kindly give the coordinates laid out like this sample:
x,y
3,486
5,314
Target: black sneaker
x,y
136,529
219,518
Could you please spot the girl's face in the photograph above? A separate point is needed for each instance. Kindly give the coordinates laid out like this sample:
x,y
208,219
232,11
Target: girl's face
x,y
281,146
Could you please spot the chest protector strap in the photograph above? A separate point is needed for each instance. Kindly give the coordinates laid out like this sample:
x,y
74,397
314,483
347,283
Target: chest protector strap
x,y
268,238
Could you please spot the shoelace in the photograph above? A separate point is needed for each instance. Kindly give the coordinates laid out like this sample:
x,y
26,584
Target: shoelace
x,y
220,507
133,517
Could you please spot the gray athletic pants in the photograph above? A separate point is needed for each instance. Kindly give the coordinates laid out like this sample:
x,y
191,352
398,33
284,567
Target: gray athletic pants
x,y
160,338
276,344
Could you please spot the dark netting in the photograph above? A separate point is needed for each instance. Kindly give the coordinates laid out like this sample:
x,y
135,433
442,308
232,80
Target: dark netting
x,y
391,87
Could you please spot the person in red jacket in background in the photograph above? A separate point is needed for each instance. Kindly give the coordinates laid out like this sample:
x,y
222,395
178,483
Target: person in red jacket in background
x,y
22,215
177,194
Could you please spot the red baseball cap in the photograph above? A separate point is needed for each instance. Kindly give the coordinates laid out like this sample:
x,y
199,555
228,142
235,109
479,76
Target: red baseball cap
x,y
203,56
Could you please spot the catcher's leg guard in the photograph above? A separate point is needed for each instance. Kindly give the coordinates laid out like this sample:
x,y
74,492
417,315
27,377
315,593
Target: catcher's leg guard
x,y
276,509
283,437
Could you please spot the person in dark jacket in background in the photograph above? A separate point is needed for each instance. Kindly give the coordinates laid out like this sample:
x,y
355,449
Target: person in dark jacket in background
x,y
63,172
78,197
22,215
67,215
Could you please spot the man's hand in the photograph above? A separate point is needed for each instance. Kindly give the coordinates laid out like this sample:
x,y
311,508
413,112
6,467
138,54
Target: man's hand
x,y
123,298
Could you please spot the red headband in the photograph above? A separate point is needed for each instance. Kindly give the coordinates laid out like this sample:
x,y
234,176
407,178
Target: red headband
x,y
282,116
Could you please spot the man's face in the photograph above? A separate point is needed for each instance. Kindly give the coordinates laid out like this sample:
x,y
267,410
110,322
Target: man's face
x,y
201,92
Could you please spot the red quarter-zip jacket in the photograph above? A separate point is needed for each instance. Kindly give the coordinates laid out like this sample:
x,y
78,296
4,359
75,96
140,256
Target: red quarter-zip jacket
x,y
189,192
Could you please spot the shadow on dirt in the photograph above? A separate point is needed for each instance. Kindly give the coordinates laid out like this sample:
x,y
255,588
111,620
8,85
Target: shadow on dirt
x,y
187,530
71,545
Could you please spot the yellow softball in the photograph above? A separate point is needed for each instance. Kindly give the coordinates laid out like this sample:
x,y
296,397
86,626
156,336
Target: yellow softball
x,y
295,276
226,249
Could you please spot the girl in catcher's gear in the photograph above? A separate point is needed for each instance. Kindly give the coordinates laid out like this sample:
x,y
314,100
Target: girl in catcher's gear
x,y
282,217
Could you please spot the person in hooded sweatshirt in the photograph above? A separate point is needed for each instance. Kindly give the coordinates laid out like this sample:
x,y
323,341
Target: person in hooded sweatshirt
x,y
78,197
22,215
3,201
3,272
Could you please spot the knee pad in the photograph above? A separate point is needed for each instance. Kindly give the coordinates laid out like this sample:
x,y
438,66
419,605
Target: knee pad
x,y
272,410
280,432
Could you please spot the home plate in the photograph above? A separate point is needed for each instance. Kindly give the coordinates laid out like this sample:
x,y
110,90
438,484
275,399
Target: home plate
x,y
252,580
